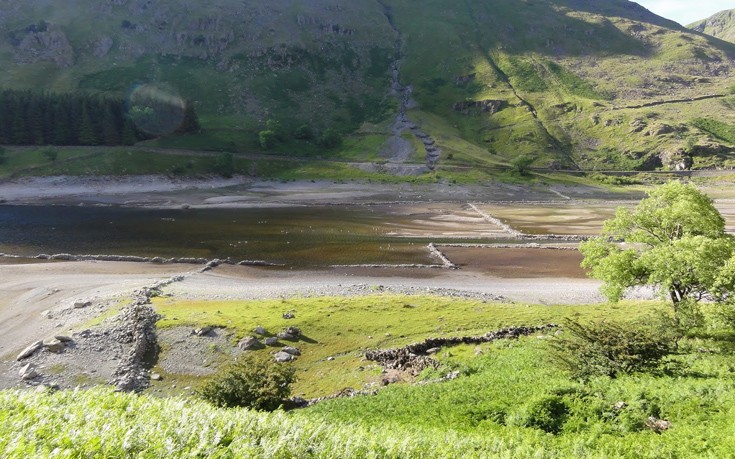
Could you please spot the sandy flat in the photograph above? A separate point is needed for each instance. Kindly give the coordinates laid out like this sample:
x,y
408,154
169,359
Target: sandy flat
x,y
30,289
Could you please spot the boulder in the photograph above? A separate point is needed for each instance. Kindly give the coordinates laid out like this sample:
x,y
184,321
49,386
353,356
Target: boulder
x,y
249,343
286,336
271,341
433,350
282,356
658,425
64,338
54,345
203,331
291,350
79,304
288,315
660,129
28,372
156,377
30,350
293,331
260,330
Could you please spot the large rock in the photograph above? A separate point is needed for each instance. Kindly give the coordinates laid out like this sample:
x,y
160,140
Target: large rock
x,y
249,343
291,350
282,356
260,330
204,331
30,350
54,345
271,341
80,304
28,372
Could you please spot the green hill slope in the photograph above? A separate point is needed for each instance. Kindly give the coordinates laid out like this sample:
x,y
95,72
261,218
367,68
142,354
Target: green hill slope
x,y
720,25
578,84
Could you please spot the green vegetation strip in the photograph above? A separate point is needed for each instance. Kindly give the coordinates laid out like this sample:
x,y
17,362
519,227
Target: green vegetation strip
x,y
343,327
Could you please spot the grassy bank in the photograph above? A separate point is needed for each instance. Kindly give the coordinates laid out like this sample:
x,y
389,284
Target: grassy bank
x,y
491,410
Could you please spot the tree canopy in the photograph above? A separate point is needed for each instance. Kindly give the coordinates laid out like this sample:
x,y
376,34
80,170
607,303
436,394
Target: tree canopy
x,y
674,240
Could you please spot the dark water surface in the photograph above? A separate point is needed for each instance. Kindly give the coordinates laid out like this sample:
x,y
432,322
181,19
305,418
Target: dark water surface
x,y
295,236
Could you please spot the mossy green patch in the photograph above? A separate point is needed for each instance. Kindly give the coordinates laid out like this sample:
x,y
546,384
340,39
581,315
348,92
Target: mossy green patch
x,y
343,327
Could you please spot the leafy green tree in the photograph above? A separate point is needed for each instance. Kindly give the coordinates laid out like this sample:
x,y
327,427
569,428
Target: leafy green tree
x,y
674,239
190,123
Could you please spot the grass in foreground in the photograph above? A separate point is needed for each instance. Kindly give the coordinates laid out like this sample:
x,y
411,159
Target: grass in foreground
x,y
494,409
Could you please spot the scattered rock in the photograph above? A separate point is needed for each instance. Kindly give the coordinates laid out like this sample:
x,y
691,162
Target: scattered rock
x,y
260,330
249,343
30,350
203,331
289,315
64,339
660,129
391,377
54,345
293,331
271,341
282,356
286,336
452,375
291,350
28,372
156,377
619,406
433,350
658,425
80,304
330,358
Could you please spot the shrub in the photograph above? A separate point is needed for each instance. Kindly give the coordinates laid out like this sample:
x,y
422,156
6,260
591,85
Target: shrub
x,y
521,164
252,382
267,139
50,153
303,132
609,349
547,412
331,139
224,165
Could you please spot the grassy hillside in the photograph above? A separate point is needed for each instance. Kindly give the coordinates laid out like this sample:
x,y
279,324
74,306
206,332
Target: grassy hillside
x,y
495,408
579,84
720,25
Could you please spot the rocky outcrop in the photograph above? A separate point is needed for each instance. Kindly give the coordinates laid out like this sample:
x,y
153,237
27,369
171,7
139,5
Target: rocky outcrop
x,y
46,42
676,159
475,107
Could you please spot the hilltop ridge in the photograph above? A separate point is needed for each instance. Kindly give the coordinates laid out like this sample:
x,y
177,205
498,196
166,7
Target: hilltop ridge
x,y
574,84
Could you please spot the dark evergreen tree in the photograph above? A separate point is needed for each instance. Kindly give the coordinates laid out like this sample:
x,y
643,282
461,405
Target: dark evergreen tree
x,y
190,123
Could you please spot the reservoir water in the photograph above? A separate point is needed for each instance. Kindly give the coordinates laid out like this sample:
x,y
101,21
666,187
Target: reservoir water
x,y
293,236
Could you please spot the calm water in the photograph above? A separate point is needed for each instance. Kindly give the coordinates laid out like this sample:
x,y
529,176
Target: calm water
x,y
308,236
